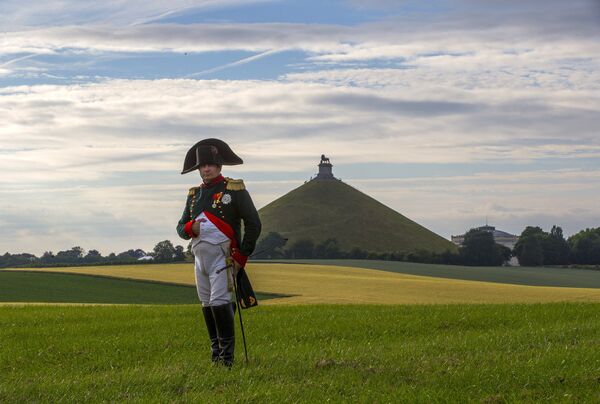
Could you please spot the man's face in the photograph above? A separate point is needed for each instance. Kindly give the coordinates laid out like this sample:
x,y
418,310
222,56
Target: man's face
x,y
209,172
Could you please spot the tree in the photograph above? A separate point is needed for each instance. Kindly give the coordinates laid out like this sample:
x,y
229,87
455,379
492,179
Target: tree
x,y
71,256
189,254
47,258
93,256
327,249
17,260
556,250
532,253
451,258
164,251
301,249
505,253
270,246
585,246
179,253
358,254
548,249
130,255
479,248
529,231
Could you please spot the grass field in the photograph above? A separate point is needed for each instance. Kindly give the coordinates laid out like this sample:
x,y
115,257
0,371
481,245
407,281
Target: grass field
x,y
530,276
48,287
320,353
318,284
301,350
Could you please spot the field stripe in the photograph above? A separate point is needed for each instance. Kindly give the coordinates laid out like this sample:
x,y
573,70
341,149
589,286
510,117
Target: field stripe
x,y
317,284
56,287
530,276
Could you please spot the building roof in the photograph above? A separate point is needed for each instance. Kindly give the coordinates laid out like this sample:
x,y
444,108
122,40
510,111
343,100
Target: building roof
x,y
496,233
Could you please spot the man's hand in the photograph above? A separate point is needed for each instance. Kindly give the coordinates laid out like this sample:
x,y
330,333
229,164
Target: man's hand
x,y
196,229
196,226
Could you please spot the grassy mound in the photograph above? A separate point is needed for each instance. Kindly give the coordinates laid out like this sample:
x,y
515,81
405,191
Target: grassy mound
x,y
319,210
450,353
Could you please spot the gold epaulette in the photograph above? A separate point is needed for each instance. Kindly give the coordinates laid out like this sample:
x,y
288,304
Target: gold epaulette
x,y
192,191
235,185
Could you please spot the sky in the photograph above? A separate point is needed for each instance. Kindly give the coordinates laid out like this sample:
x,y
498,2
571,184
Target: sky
x,y
449,112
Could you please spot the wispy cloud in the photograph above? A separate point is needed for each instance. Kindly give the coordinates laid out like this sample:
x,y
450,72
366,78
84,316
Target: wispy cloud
x,y
234,64
10,62
38,13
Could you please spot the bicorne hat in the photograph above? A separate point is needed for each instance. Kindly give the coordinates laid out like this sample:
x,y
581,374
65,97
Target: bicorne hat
x,y
209,151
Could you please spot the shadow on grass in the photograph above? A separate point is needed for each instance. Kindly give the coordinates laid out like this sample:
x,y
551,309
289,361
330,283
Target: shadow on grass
x,y
60,287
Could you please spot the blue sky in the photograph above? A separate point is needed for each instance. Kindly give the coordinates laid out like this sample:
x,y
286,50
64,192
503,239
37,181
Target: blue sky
x,y
447,111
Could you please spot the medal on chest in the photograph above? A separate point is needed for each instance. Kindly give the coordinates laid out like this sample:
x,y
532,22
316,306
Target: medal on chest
x,y
216,199
221,198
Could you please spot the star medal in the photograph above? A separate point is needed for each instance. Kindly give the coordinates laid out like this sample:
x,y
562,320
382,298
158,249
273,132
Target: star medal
x,y
226,199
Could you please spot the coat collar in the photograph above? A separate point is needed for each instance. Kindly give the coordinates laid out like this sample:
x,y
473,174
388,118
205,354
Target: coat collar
x,y
214,182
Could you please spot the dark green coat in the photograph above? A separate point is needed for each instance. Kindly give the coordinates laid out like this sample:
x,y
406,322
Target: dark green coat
x,y
232,209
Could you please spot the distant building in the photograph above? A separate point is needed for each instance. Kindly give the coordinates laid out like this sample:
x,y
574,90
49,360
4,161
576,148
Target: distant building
x,y
146,258
500,237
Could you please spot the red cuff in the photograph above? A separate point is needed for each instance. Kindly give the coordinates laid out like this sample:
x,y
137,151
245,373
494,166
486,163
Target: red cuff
x,y
188,229
239,258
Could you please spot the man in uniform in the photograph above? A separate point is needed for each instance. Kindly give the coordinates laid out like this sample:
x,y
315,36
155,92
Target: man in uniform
x,y
212,219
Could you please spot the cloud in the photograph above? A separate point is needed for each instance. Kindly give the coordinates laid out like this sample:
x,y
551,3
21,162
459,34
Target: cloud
x,y
464,44
77,126
175,38
374,103
89,155
32,13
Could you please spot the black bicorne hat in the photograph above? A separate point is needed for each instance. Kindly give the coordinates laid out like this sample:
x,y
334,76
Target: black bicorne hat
x,y
209,151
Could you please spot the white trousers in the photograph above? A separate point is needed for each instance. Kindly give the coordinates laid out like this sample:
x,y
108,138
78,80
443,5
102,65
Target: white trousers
x,y
214,281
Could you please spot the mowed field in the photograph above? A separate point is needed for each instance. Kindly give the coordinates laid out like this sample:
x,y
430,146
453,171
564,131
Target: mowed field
x,y
306,353
324,342
328,284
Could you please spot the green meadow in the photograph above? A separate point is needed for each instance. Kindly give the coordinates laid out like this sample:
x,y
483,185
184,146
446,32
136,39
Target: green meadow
x,y
143,339
51,287
311,353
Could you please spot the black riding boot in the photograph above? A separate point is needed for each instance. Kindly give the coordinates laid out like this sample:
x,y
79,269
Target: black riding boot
x,y
211,326
224,316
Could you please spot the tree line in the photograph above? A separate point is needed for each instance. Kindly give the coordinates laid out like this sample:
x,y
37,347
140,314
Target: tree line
x,y
535,247
164,251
